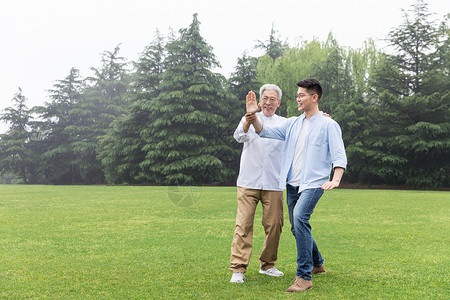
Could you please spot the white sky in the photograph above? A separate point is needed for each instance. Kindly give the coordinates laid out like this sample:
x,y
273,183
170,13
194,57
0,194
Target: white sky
x,y
41,40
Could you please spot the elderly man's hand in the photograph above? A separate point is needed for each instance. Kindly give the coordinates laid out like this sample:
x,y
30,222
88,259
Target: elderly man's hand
x,y
250,118
252,105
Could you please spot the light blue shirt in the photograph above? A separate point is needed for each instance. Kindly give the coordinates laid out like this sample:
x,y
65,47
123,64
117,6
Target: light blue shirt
x,y
324,149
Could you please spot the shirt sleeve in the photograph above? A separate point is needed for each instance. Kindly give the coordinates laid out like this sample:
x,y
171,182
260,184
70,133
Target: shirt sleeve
x,y
275,132
336,144
239,134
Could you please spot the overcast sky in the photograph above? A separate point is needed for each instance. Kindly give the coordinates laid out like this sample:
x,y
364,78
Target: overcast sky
x,y
41,40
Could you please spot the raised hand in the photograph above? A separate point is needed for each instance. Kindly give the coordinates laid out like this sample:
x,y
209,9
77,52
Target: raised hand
x,y
252,105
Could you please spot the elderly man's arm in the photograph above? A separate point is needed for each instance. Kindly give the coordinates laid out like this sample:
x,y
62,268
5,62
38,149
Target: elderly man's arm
x,y
249,119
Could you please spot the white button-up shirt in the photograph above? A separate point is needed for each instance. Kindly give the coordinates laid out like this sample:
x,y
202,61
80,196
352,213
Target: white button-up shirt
x,y
261,158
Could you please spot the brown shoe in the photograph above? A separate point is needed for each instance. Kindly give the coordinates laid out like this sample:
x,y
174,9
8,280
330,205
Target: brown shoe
x,y
318,270
300,285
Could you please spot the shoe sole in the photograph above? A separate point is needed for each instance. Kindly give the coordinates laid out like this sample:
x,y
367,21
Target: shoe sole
x,y
286,291
270,274
243,279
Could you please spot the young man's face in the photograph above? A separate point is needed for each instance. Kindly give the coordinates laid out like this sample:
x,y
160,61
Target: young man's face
x,y
305,100
269,102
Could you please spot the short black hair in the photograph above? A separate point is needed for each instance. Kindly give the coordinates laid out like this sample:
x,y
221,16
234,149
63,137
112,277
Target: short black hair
x,y
312,86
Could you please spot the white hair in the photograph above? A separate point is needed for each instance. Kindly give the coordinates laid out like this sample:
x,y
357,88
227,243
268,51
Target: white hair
x,y
270,87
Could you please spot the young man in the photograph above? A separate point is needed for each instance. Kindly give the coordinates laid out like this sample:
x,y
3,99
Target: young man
x,y
313,147
258,182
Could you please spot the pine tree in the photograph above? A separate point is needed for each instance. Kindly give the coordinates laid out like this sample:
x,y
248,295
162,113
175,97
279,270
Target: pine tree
x,y
15,154
274,47
244,78
107,91
416,46
412,85
183,141
359,118
122,147
62,136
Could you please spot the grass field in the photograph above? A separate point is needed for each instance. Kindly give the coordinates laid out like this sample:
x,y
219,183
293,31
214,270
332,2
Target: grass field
x,y
78,242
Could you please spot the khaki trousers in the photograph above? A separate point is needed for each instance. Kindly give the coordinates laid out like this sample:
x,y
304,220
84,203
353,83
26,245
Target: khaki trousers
x,y
272,220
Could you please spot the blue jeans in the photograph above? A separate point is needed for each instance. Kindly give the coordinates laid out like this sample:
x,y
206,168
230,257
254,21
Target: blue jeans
x,y
301,206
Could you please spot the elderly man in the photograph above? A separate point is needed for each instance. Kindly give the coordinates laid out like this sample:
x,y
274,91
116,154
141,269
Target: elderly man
x,y
258,179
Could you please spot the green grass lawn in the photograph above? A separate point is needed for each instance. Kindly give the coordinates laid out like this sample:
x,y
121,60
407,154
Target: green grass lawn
x,y
60,242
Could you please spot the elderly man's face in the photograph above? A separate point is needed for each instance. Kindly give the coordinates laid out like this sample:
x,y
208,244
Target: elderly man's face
x,y
269,102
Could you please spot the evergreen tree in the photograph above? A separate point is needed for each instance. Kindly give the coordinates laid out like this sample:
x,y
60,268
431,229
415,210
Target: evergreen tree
x,y
107,97
15,153
122,147
107,91
183,143
416,46
244,78
63,139
416,138
273,47
241,81
359,119
412,85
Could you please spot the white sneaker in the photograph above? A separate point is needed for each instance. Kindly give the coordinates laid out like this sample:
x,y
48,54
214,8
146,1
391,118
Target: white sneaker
x,y
272,272
237,277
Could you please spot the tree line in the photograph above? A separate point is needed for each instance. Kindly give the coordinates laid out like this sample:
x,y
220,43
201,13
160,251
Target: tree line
x,y
167,118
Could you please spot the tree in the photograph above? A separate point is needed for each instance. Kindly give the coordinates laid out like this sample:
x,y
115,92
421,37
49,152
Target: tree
x,y
244,77
107,92
63,137
359,118
416,45
108,99
121,148
241,81
413,104
183,142
334,74
273,47
296,64
15,154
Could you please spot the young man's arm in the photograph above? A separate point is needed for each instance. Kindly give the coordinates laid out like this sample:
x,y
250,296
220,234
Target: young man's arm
x,y
338,156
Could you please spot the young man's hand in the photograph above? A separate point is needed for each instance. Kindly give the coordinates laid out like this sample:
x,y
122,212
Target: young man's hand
x,y
329,185
334,183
